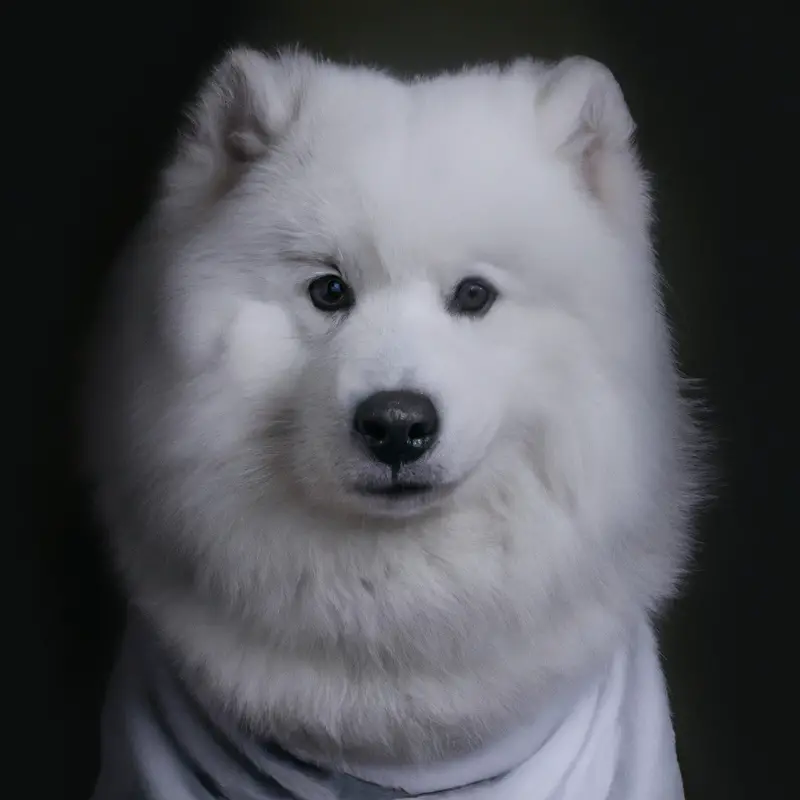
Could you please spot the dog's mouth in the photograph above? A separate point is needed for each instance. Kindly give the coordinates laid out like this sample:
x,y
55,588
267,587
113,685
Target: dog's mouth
x,y
400,498
398,490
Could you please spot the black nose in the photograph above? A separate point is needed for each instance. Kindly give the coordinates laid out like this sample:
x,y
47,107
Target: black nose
x,y
397,427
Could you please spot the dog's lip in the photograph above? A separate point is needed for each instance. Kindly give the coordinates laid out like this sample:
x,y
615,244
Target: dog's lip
x,y
397,490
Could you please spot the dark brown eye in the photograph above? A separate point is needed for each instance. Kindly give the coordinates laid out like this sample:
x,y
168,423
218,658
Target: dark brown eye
x,y
473,296
330,293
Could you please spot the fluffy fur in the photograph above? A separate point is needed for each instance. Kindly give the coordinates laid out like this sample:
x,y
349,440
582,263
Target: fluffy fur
x,y
351,627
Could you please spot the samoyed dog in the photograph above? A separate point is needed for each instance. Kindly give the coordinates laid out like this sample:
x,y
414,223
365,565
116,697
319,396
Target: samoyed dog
x,y
387,437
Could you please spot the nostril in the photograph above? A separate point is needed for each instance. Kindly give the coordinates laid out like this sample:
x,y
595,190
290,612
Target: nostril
x,y
421,430
376,431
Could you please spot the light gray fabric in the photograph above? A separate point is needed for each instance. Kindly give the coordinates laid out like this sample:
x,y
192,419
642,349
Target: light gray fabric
x,y
610,740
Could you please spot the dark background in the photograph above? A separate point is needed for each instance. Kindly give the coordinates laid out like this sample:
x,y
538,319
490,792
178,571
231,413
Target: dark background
x,y
90,98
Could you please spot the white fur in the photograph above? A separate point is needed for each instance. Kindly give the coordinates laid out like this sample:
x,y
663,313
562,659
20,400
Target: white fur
x,y
222,400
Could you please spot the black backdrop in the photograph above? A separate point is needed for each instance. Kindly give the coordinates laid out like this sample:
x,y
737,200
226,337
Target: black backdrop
x,y
90,97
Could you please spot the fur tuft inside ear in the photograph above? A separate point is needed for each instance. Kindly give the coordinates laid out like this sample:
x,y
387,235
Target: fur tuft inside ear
x,y
581,105
583,118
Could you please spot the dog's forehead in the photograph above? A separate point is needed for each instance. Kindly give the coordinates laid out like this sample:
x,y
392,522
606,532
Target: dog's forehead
x,y
428,167
439,133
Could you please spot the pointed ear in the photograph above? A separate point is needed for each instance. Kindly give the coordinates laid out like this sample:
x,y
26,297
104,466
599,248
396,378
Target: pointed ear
x,y
583,118
246,104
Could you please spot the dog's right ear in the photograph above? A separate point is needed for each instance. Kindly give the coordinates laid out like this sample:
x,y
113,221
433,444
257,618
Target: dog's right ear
x,y
247,103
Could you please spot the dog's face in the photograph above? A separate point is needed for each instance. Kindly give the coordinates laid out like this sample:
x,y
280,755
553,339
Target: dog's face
x,y
410,285
393,362
423,328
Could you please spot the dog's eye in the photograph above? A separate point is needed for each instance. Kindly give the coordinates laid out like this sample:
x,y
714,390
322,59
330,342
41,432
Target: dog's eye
x,y
473,296
330,293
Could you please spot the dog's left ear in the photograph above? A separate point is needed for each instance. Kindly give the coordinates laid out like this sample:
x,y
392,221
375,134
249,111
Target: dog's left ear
x,y
582,116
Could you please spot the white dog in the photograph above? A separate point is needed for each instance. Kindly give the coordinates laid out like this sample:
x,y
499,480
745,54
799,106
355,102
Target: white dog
x,y
388,440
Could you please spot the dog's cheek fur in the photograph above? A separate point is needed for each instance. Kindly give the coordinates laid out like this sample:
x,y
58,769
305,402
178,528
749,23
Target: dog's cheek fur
x,y
597,425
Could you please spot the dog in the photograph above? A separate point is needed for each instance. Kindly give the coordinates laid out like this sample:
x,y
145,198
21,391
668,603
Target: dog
x,y
386,431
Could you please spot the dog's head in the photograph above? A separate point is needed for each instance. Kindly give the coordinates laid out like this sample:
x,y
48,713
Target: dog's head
x,y
390,358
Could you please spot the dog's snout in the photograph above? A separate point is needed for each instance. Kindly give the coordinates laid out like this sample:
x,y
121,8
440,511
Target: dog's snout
x,y
397,427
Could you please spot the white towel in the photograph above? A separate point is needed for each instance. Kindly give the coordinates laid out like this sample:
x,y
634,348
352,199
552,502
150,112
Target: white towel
x,y
611,740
